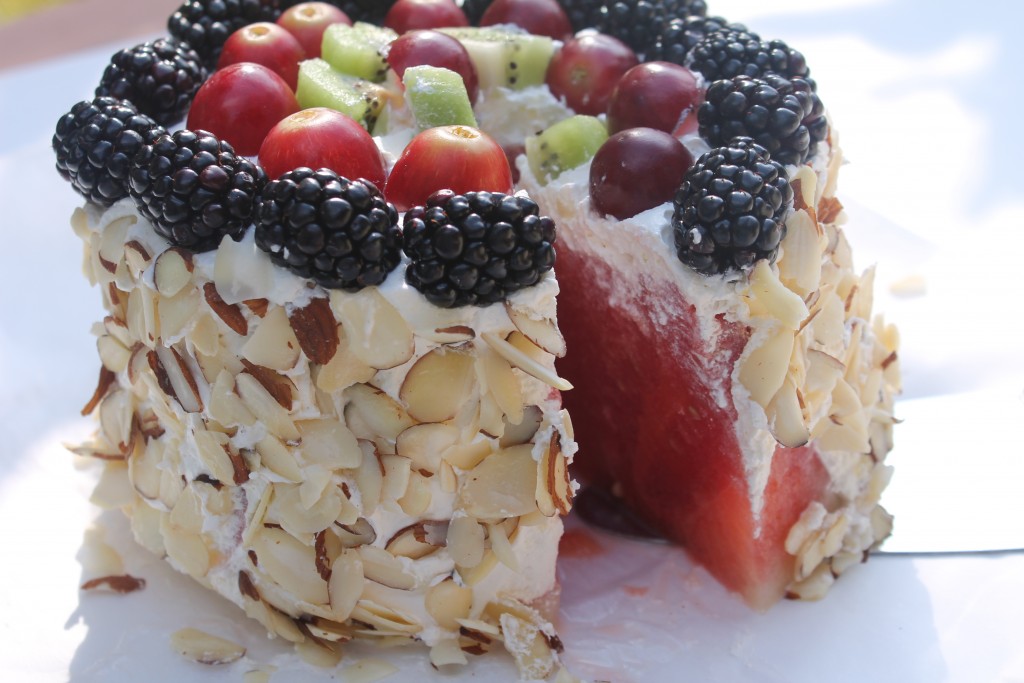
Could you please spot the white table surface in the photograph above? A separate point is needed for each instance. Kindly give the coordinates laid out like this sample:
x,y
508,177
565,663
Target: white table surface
x,y
927,98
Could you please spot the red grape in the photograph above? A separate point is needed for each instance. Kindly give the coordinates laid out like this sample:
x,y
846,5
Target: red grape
x,y
539,17
635,170
409,15
240,104
267,44
433,48
586,70
307,22
457,158
322,138
656,95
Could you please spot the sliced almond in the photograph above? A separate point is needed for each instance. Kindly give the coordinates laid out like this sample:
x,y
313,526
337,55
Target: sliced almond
x,y
416,540
447,652
231,314
447,602
466,456
177,312
417,497
397,471
525,362
299,520
265,407
786,419
385,619
543,332
384,568
172,271
204,648
424,444
212,448
381,415
344,369
316,330
329,443
768,297
290,564
437,385
515,434
357,534
528,646
111,247
455,334
502,546
277,458
502,384
346,584
377,333
175,378
764,369
225,406
113,353
370,478
273,345
114,489
281,387
137,256
554,489
503,485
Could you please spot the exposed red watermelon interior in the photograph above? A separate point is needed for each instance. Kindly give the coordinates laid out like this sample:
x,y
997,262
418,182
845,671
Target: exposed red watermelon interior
x,y
650,429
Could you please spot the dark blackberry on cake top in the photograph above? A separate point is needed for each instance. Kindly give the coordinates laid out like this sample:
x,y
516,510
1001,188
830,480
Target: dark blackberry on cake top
x,y
159,78
95,144
731,209
728,53
372,11
474,9
194,189
206,24
323,226
634,22
476,248
784,116
680,35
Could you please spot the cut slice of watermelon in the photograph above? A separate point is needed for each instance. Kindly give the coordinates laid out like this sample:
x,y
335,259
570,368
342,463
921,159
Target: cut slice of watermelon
x,y
659,355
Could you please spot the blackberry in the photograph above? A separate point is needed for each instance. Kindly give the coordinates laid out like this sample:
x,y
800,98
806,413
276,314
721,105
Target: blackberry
x,y
372,11
206,24
159,77
680,35
730,210
477,248
95,144
475,9
323,226
634,22
194,189
783,116
728,53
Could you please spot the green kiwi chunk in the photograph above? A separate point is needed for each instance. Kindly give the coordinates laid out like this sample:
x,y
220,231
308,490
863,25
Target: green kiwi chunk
x,y
356,50
322,86
437,97
503,58
564,146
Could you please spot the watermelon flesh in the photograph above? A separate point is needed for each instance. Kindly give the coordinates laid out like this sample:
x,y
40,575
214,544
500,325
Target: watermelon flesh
x,y
655,419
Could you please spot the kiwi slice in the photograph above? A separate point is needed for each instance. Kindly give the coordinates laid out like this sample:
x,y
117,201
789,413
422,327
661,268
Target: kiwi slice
x,y
564,146
437,97
510,59
322,86
356,50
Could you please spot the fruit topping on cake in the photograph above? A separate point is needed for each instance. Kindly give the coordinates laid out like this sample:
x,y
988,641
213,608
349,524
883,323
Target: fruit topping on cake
x,y
731,209
194,189
476,248
96,143
160,78
338,232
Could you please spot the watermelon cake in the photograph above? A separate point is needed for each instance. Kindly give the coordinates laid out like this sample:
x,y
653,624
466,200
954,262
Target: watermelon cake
x,y
325,238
